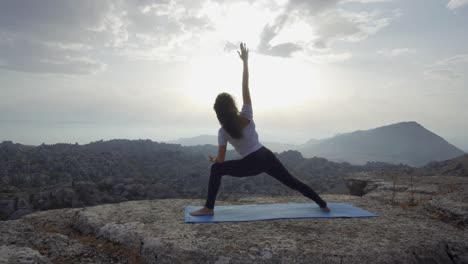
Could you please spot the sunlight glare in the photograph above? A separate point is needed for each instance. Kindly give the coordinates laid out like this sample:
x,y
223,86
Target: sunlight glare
x,y
282,82
212,75
275,83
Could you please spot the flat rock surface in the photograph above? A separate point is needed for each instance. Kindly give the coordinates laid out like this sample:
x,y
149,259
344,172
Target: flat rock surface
x,y
153,231
156,229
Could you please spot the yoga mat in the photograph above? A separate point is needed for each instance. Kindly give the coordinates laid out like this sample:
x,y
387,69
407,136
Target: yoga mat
x,y
258,212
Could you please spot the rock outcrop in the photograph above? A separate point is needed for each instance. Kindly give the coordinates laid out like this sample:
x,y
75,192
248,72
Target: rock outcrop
x,y
442,197
153,231
47,237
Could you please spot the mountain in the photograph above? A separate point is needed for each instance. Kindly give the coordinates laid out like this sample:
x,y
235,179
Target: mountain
x,y
309,143
405,142
195,141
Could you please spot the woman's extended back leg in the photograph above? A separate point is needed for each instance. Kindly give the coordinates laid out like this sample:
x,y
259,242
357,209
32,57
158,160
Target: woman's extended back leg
x,y
279,172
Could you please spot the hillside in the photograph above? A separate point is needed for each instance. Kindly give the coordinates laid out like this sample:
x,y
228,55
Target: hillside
x,y
406,142
457,166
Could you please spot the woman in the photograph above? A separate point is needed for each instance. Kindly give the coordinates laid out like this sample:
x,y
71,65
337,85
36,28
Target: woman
x,y
239,130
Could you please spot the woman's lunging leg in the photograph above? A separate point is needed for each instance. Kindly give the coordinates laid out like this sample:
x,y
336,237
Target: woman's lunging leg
x,y
213,185
248,166
279,172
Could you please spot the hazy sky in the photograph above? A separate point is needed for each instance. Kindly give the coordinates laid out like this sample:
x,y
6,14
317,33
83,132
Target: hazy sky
x,y
79,71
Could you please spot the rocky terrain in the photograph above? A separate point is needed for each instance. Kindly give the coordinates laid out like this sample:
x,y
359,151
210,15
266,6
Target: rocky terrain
x,y
48,237
423,220
70,175
442,197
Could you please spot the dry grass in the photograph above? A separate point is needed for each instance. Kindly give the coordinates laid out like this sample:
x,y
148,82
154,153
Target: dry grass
x,y
412,202
395,179
449,188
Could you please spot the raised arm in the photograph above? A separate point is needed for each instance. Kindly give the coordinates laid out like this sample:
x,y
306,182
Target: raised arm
x,y
244,55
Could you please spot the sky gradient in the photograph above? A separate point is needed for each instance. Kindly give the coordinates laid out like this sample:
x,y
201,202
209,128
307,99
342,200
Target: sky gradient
x,y
80,71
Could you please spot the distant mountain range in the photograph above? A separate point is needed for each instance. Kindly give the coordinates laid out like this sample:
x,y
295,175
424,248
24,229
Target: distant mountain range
x,y
405,142
213,140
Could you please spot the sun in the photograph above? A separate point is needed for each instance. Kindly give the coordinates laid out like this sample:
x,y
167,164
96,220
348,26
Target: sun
x,y
275,83
210,75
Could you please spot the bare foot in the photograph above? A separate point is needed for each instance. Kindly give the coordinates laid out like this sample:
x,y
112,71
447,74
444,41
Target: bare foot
x,y
203,211
325,209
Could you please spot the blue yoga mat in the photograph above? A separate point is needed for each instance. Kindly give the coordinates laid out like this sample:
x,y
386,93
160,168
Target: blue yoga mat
x,y
257,212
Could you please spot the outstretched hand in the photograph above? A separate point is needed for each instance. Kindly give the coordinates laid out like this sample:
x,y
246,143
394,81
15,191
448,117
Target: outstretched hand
x,y
213,159
244,52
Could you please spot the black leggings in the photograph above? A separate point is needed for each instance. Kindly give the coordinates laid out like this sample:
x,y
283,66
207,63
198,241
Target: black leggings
x,y
262,160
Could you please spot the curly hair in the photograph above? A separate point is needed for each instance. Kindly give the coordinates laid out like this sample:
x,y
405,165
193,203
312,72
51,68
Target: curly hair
x,y
228,115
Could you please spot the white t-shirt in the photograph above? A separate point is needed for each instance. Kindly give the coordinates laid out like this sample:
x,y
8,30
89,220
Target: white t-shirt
x,y
249,142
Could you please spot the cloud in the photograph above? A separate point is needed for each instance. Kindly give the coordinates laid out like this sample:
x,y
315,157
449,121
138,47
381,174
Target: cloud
x,y
269,32
453,4
367,1
326,24
54,21
395,52
280,50
462,58
69,37
78,37
28,55
284,49
449,69
294,8
326,58
51,36
341,25
229,46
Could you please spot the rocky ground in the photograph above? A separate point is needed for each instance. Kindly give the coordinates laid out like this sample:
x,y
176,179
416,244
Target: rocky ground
x,y
154,232
48,237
